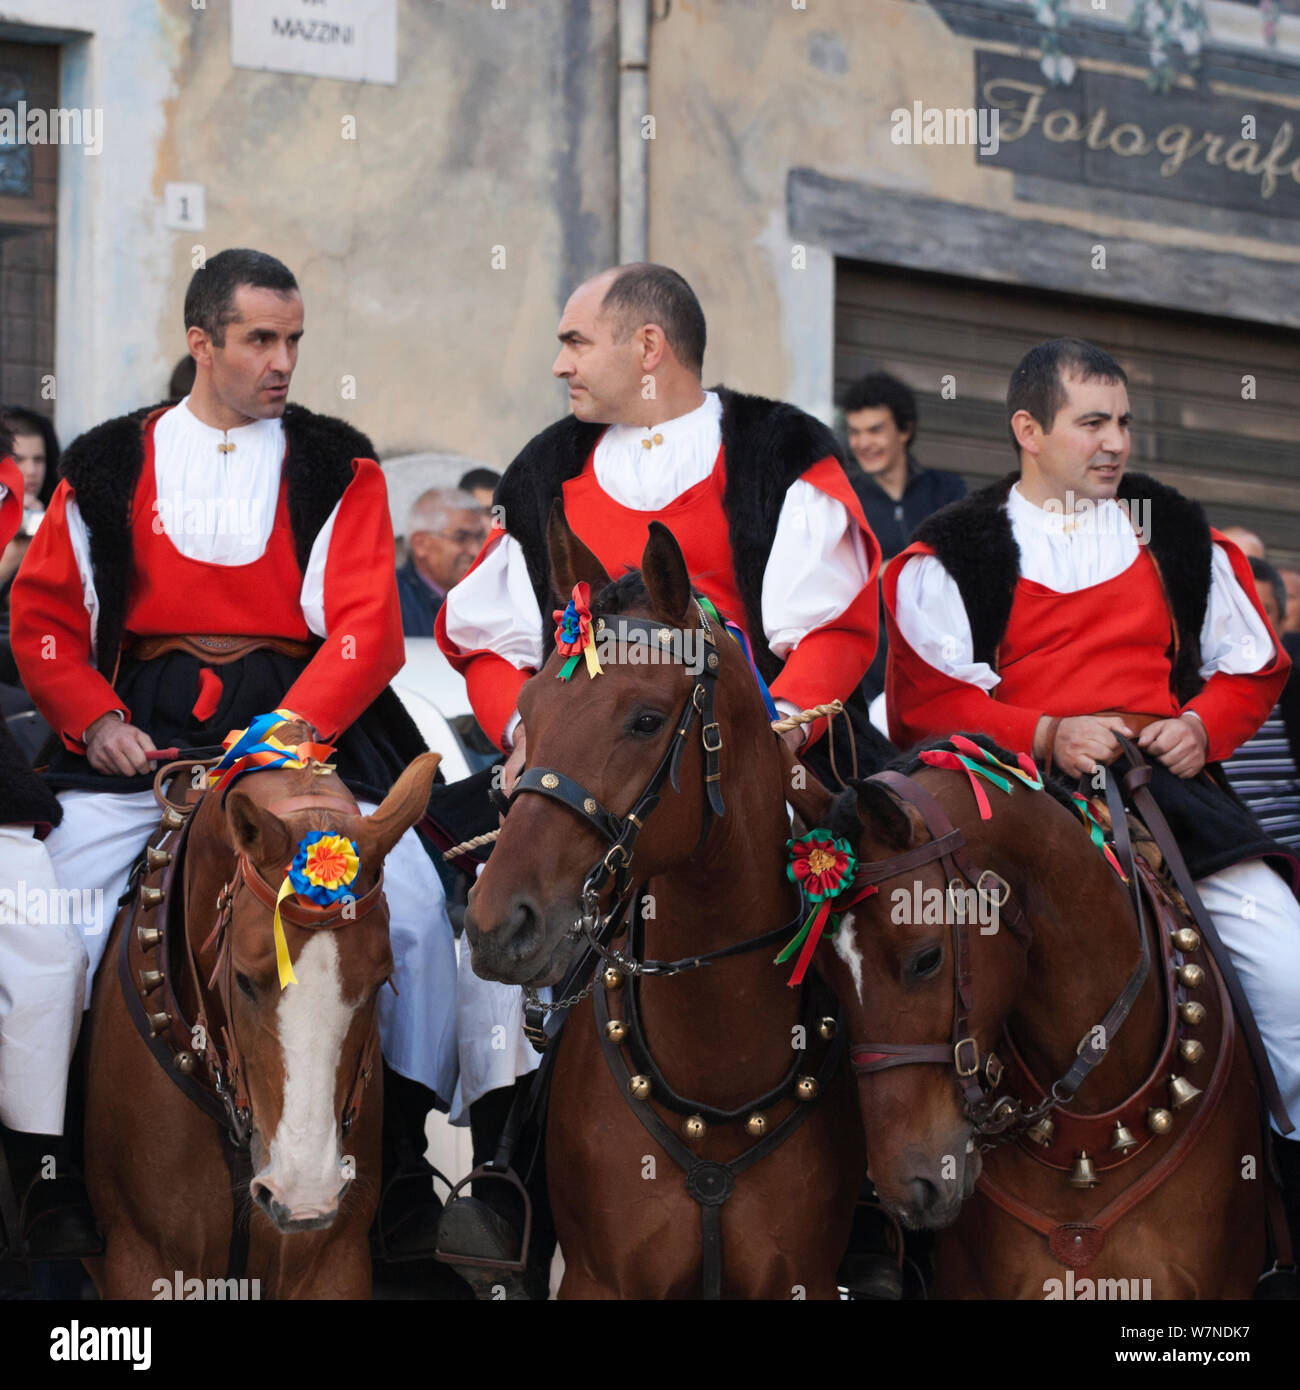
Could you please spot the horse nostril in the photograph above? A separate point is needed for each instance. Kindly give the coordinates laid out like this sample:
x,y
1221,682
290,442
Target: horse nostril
x,y
522,928
925,1196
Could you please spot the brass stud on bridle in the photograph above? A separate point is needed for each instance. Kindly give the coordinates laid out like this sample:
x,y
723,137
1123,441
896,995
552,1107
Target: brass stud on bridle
x,y
756,1125
693,1127
612,977
1192,1012
806,1088
826,1029
638,1087
616,1030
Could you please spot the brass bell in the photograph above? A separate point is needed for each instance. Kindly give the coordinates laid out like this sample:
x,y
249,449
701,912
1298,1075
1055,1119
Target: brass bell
x,y
638,1087
1084,1175
156,858
1122,1140
158,1023
1159,1121
616,1030
1186,939
806,1088
148,937
693,1128
612,978
756,1125
1042,1132
1192,1012
1190,1050
826,1029
150,980
183,1062
1182,1092
172,819
1191,975
150,898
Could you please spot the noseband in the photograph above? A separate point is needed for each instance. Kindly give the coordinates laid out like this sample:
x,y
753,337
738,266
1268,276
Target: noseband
x,y
978,1075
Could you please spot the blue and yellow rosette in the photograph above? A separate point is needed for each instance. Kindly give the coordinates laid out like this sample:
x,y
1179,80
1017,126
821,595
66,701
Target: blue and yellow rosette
x,y
323,872
256,749
573,635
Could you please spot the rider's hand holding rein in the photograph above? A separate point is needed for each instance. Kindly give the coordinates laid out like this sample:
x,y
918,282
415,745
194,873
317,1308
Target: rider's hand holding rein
x,y
1083,743
117,748
1180,744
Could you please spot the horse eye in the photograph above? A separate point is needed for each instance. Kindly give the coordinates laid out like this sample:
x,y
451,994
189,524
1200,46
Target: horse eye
x,y
245,985
927,963
647,723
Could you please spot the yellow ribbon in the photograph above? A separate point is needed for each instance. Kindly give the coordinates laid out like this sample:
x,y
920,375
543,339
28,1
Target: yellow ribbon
x,y
282,962
593,661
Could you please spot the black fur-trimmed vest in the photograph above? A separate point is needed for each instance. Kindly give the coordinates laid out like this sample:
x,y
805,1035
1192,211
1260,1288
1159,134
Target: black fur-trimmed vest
x,y
767,444
973,541
103,466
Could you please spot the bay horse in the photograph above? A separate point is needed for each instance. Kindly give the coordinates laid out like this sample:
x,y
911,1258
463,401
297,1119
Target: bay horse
x,y
700,1140
250,1083
1152,1166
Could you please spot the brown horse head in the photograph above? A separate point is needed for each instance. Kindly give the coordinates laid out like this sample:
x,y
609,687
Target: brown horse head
x,y
303,1050
608,734
892,964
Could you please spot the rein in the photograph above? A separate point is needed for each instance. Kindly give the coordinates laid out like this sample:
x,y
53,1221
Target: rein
x,y
978,1075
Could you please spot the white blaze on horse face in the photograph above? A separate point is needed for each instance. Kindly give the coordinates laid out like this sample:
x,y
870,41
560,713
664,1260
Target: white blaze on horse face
x,y
846,947
313,1017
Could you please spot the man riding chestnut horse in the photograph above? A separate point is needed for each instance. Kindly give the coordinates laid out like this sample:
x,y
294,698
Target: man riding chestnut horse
x,y
202,563
1069,603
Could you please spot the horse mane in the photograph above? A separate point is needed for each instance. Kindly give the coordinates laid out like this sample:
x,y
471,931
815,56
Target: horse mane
x,y
620,596
845,819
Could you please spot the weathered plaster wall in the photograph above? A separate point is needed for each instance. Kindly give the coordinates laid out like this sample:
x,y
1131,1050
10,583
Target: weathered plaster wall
x,y
499,132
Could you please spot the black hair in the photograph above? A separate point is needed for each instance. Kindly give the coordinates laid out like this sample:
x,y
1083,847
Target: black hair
x,y
879,388
479,477
182,379
17,419
210,299
646,293
1037,384
1261,569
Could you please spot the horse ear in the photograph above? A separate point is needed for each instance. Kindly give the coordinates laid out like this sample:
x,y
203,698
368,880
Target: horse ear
x,y
864,805
399,810
263,837
666,577
571,562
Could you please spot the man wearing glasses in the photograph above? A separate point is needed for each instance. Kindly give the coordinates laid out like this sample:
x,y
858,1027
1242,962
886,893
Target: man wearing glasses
x,y
445,530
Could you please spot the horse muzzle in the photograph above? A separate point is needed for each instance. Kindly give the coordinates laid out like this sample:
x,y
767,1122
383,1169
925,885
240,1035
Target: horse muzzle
x,y
528,946
929,1192
291,1218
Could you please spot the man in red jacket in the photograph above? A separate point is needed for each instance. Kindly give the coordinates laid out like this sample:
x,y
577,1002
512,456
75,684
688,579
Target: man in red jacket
x,y
1070,601
232,523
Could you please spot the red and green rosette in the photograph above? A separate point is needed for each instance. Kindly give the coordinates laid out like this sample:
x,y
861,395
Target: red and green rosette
x,y
822,866
573,635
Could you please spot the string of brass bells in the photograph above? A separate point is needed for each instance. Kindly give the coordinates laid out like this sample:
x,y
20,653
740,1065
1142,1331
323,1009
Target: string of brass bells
x,y
1159,1119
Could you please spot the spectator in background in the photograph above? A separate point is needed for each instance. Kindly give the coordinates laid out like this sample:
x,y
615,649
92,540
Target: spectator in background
x,y
482,482
896,493
36,452
1263,771
1247,542
1291,620
182,382
445,530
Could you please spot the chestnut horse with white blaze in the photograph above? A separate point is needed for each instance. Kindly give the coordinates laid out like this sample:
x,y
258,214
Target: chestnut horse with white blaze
x,y
653,1112
291,1060
1053,1084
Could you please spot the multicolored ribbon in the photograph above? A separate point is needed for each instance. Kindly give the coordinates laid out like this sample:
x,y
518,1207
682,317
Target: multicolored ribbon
x,y
256,749
978,762
1096,834
573,635
323,871
822,867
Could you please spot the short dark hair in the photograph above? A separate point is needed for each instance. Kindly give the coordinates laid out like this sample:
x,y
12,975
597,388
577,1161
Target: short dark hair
x,y
1261,569
210,299
479,477
16,420
646,293
877,389
1037,384
182,379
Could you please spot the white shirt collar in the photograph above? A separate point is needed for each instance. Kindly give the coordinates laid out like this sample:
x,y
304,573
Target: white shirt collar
x,y
202,433
704,418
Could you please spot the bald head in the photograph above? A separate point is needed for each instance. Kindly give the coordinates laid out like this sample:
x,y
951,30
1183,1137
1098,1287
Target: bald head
x,y
1247,542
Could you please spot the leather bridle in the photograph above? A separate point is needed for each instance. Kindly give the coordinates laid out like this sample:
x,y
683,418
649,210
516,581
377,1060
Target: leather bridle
x,y
978,1074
